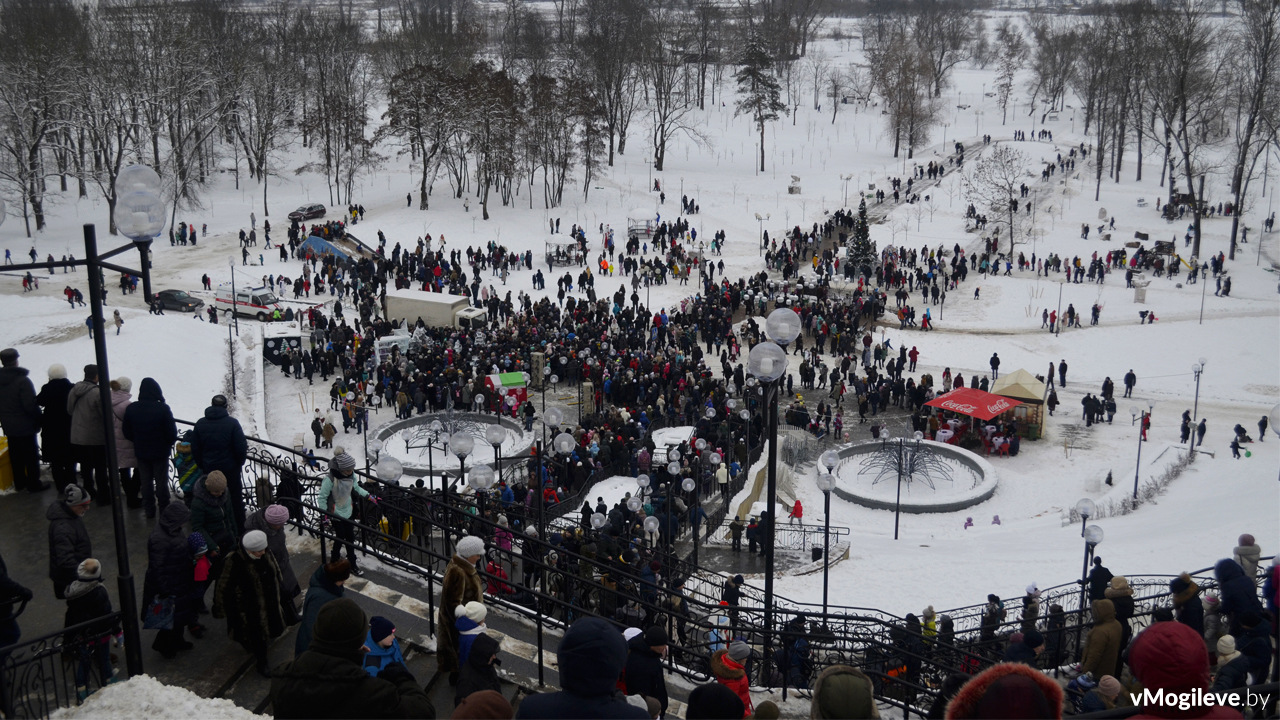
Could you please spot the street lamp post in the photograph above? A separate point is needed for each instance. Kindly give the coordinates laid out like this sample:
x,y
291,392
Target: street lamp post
x,y
495,434
691,486
482,478
1198,369
1085,509
460,444
564,445
760,219
436,428
826,483
767,362
1092,536
1138,468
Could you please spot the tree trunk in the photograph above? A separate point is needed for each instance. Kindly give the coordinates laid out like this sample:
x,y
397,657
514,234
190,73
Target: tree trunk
x,y
761,123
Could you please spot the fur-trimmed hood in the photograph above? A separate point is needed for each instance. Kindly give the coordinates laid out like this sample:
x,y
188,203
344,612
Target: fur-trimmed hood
x,y
723,666
843,692
1007,690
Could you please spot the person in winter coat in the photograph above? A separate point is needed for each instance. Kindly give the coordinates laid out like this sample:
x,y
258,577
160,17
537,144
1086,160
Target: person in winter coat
x,y
722,479
1187,608
170,574
1247,554
592,656
797,512
461,585
1121,596
1099,580
271,520
1169,656
1010,690
55,427
89,435
211,516
218,443
335,496
328,680
149,425
480,670
249,596
469,623
1233,666
992,616
1254,641
1030,608
126,461
69,543
842,692
643,674
1102,644
727,667
382,646
1237,593
326,586
20,421
88,600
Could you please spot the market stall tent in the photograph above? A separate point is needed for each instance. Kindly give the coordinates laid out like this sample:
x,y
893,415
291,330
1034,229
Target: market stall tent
x,y
508,386
974,403
1022,385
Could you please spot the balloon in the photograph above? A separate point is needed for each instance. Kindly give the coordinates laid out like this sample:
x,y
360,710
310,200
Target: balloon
x,y
1248,453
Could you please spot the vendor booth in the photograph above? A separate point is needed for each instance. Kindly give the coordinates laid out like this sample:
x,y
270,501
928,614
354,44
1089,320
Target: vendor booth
x,y
975,404
510,389
1023,386
642,223
563,250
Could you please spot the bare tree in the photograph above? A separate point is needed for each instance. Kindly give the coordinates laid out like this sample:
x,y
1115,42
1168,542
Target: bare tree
x,y
819,68
903,80
670,109
1053,58
994,184
1011,53
610,29
1254,90
943,30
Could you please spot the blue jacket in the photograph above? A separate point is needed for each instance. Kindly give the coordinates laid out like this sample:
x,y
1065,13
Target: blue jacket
x,y
379,657
467,632
319,592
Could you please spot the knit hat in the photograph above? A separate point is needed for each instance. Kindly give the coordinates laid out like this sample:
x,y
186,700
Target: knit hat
x,y
739,650
631,632
483,705
656,635
502,521
1033,590
1169,656
219,401
474,611
342,464
1008,690
1109,686
254,541
75,495
1226,648
215,482
767,710
57,372
276,514
341,627
124,383
197,544
714,701
469,546
738,580
1246,540
91,569
1032,639
338,571
929,612
843,692
380,628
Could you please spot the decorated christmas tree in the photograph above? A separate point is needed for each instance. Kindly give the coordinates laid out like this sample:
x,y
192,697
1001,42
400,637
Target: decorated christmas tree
x,y
862,250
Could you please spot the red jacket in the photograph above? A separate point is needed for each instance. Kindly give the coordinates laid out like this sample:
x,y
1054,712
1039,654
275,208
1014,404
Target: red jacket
x,y
797,510
731,674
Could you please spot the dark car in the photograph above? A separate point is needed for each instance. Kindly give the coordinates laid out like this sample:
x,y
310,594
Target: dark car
x,y
179,300
306,212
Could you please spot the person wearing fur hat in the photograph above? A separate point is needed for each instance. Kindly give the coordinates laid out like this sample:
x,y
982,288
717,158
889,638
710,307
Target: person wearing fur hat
x,y
88,600
1102,644
1169,656
328,680
729,668
1233,666
929,625
1187,608
271,520
381,647
55,427
1007,690
335,496
842,692
461,585
479,670
326,586
1030,608
469,623
1247,554
248,595
212,516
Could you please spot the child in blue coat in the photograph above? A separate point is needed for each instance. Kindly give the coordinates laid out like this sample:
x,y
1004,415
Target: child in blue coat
x,y
383,647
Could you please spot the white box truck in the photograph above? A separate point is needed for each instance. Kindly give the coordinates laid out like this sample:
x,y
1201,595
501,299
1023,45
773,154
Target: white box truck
x,y
435,309
260,303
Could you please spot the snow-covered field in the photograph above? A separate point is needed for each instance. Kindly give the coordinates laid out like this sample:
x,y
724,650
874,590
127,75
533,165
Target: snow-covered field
x,y
937,561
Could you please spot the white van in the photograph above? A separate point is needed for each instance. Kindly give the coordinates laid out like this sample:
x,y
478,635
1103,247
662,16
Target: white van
x,y
260,303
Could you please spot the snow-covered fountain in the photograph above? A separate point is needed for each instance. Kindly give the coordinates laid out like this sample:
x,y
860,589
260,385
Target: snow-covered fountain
x,y
922,475
422,443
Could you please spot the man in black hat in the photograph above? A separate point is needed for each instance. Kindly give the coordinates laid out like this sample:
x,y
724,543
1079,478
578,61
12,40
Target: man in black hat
x,y
218,443
644,665
20,419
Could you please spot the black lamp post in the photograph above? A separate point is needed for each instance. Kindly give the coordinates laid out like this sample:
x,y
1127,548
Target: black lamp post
x,y
767,363
1137,470
1198,369
1092,536
826,483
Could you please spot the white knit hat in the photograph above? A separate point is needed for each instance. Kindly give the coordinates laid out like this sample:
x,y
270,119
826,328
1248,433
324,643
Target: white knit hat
x,y
470,546
1227,648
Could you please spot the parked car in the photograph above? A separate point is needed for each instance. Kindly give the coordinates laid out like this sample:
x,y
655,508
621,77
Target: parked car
x,y
179,300
306,212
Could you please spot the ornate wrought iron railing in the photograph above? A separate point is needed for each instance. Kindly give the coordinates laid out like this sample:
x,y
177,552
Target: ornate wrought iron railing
x,y
38,676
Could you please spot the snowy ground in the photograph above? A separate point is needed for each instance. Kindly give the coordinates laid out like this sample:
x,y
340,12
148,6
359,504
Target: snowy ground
x,y
144,696
936,561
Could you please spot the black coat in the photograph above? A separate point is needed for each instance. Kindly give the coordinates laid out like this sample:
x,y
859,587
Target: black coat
x,y
55,424
148,423
325,683
644,671
88,600
319,592
1099,581
68,545
218,442
19,413
170,565
591,657
478,673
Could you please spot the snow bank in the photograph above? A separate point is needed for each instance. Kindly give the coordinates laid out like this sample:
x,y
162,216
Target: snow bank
x,y
144,696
